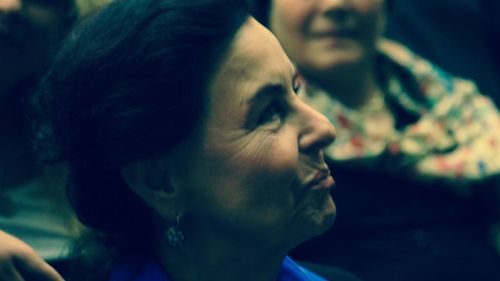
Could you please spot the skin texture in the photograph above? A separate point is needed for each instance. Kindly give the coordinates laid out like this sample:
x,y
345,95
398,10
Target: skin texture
x,y
241,183
332,42
19,262
254,171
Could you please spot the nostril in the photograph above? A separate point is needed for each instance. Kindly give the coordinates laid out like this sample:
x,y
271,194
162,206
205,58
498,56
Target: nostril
x,y
339,14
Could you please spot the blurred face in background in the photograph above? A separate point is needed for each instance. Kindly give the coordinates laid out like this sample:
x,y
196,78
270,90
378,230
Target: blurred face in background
x,y
28,28
323,35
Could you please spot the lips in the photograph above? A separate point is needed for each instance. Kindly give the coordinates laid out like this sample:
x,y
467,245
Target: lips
x,y
335,33
322,180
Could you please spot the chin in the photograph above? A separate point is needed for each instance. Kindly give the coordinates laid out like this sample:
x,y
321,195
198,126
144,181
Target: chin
x,y
339,58
326,219
344,60
319,220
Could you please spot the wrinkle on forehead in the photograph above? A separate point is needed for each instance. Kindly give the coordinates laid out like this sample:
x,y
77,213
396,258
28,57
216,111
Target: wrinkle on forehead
x,y
254,58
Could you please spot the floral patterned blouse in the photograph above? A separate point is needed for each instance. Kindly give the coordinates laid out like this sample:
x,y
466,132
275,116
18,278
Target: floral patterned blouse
x,y
452,132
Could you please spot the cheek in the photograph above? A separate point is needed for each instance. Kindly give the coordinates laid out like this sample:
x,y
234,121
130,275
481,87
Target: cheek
x,y
250,188
256,175
269,163
267,179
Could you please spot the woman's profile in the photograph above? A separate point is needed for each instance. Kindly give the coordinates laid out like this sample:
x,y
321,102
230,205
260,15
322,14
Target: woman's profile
x,y
191,156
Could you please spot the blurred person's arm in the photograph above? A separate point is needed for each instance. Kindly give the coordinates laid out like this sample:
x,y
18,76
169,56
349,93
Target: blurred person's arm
x,y
18,261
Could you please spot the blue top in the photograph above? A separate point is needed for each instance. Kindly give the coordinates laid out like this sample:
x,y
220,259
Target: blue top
x,y
149,270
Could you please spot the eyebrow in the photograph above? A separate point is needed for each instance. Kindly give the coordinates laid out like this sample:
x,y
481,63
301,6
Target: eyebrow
x,y
271,90
256,102
266,92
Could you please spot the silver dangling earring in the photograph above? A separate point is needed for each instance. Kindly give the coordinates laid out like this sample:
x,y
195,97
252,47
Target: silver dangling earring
x,y
175,237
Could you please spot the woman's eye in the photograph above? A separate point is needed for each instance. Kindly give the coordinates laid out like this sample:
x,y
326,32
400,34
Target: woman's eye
x,y
271,113
297,85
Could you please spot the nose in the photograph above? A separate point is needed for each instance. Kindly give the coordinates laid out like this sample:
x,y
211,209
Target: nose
x,y
335,9
316,131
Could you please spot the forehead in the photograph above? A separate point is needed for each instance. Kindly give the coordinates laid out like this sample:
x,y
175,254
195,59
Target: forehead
x,y
255,58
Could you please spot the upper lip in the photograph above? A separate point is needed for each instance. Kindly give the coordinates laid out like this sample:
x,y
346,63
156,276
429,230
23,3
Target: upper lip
x,y
335,32
320,175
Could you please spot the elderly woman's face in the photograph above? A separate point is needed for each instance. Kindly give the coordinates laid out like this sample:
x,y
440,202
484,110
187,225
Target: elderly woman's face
x,y
255,168
319,35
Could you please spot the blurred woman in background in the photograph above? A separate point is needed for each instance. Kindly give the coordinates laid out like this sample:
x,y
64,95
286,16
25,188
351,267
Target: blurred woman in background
x,y
417,152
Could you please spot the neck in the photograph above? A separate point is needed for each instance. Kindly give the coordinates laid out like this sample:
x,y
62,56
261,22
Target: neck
x,y
353,85
207,257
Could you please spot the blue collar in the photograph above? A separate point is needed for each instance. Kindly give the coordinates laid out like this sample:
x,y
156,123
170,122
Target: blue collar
x,y
149,270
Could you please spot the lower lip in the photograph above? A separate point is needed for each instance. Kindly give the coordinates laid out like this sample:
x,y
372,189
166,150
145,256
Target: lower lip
x,y
325,184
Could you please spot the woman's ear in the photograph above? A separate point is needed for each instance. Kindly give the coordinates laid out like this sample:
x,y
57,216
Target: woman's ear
x,y
150,179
